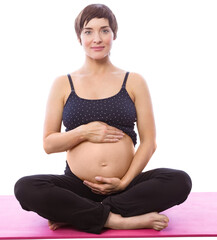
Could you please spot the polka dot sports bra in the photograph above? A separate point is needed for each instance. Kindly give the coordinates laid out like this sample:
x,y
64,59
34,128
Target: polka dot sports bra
x,y
118,111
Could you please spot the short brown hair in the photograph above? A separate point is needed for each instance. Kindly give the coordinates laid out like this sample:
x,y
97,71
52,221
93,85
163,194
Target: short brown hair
x,y
95,11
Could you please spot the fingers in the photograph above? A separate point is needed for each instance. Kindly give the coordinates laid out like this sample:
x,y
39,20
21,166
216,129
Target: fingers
x,y
93,186
102,193
103,179
89,184
98,188
113,131
104,133
97,192
116,132
113,138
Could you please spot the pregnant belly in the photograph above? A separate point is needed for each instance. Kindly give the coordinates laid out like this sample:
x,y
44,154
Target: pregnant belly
x,y
88,160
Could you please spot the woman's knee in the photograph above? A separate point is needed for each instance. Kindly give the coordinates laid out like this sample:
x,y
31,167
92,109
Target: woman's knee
x,y
182,184
22,187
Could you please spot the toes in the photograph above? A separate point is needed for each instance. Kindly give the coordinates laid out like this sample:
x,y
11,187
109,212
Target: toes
x,y
50,222
164,218
160,227
161,223
52,226
55,227
167,219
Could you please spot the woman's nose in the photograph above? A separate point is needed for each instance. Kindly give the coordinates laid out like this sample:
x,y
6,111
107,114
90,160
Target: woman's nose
x,y
97,38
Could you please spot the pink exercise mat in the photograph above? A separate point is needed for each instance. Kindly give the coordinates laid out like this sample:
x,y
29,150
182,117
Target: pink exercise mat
x,y
197,216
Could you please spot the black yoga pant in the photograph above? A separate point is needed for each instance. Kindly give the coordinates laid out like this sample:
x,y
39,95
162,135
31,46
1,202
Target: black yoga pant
x,y
64,198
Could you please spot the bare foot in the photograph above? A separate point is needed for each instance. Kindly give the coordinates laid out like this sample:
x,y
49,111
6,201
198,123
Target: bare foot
x,y
152,220
155,220
55,225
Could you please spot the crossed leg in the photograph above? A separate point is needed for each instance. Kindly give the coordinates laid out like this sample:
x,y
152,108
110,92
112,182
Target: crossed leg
x,y
152,220
65,199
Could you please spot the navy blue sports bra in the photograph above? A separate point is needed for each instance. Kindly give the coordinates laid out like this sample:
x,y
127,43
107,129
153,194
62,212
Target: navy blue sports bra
x,y
118,111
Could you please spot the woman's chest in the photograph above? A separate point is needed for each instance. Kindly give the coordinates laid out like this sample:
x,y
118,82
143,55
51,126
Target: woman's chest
x,y
118,110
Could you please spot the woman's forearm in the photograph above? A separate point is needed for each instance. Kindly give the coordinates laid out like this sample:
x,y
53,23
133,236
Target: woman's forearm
x,y
61,142
140,160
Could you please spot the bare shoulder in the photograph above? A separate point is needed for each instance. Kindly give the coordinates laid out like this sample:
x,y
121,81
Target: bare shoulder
x,y
137,84
137,79
60,82
60,88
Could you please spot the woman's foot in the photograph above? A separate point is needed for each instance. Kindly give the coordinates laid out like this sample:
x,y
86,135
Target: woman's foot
x,y
54,225
152,220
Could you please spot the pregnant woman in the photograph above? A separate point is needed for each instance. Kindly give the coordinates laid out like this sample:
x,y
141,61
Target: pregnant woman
x,y
104,185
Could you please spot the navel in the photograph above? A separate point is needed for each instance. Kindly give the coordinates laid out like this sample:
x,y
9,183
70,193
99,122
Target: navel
x,y
104,164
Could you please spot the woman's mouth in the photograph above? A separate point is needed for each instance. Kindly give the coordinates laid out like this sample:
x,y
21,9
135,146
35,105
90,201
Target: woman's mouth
x,y
97,48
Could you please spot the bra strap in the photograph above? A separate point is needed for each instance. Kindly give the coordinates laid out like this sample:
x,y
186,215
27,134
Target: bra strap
x,y
70,81
125,80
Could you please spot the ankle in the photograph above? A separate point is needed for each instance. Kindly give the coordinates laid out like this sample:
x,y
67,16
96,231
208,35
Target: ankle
x,y
114,221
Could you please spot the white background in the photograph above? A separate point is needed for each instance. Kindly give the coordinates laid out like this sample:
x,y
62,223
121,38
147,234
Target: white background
x,y
171,43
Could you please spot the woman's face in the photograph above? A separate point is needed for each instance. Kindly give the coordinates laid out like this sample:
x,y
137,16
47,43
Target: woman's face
x,y
97,38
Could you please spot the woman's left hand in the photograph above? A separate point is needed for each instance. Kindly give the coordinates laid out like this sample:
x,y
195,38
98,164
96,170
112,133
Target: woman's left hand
x,y
105,186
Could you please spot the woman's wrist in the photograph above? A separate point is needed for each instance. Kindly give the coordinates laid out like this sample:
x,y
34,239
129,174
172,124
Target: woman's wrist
x,y
82,132
124,183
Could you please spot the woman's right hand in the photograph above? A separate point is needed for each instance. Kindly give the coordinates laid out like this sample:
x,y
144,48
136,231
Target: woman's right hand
x,y
100,132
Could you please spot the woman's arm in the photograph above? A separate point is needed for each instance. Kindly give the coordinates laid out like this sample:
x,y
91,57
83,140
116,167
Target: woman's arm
x,y
54,140
146,129
147,134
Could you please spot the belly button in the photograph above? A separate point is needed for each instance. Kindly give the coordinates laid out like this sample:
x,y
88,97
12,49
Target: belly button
x,y
103,164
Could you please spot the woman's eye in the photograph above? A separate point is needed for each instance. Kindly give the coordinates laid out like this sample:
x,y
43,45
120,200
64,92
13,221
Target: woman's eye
x,y
105,31
87,32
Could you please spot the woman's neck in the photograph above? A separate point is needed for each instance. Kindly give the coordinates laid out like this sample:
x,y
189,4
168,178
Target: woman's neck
x,y
92,66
